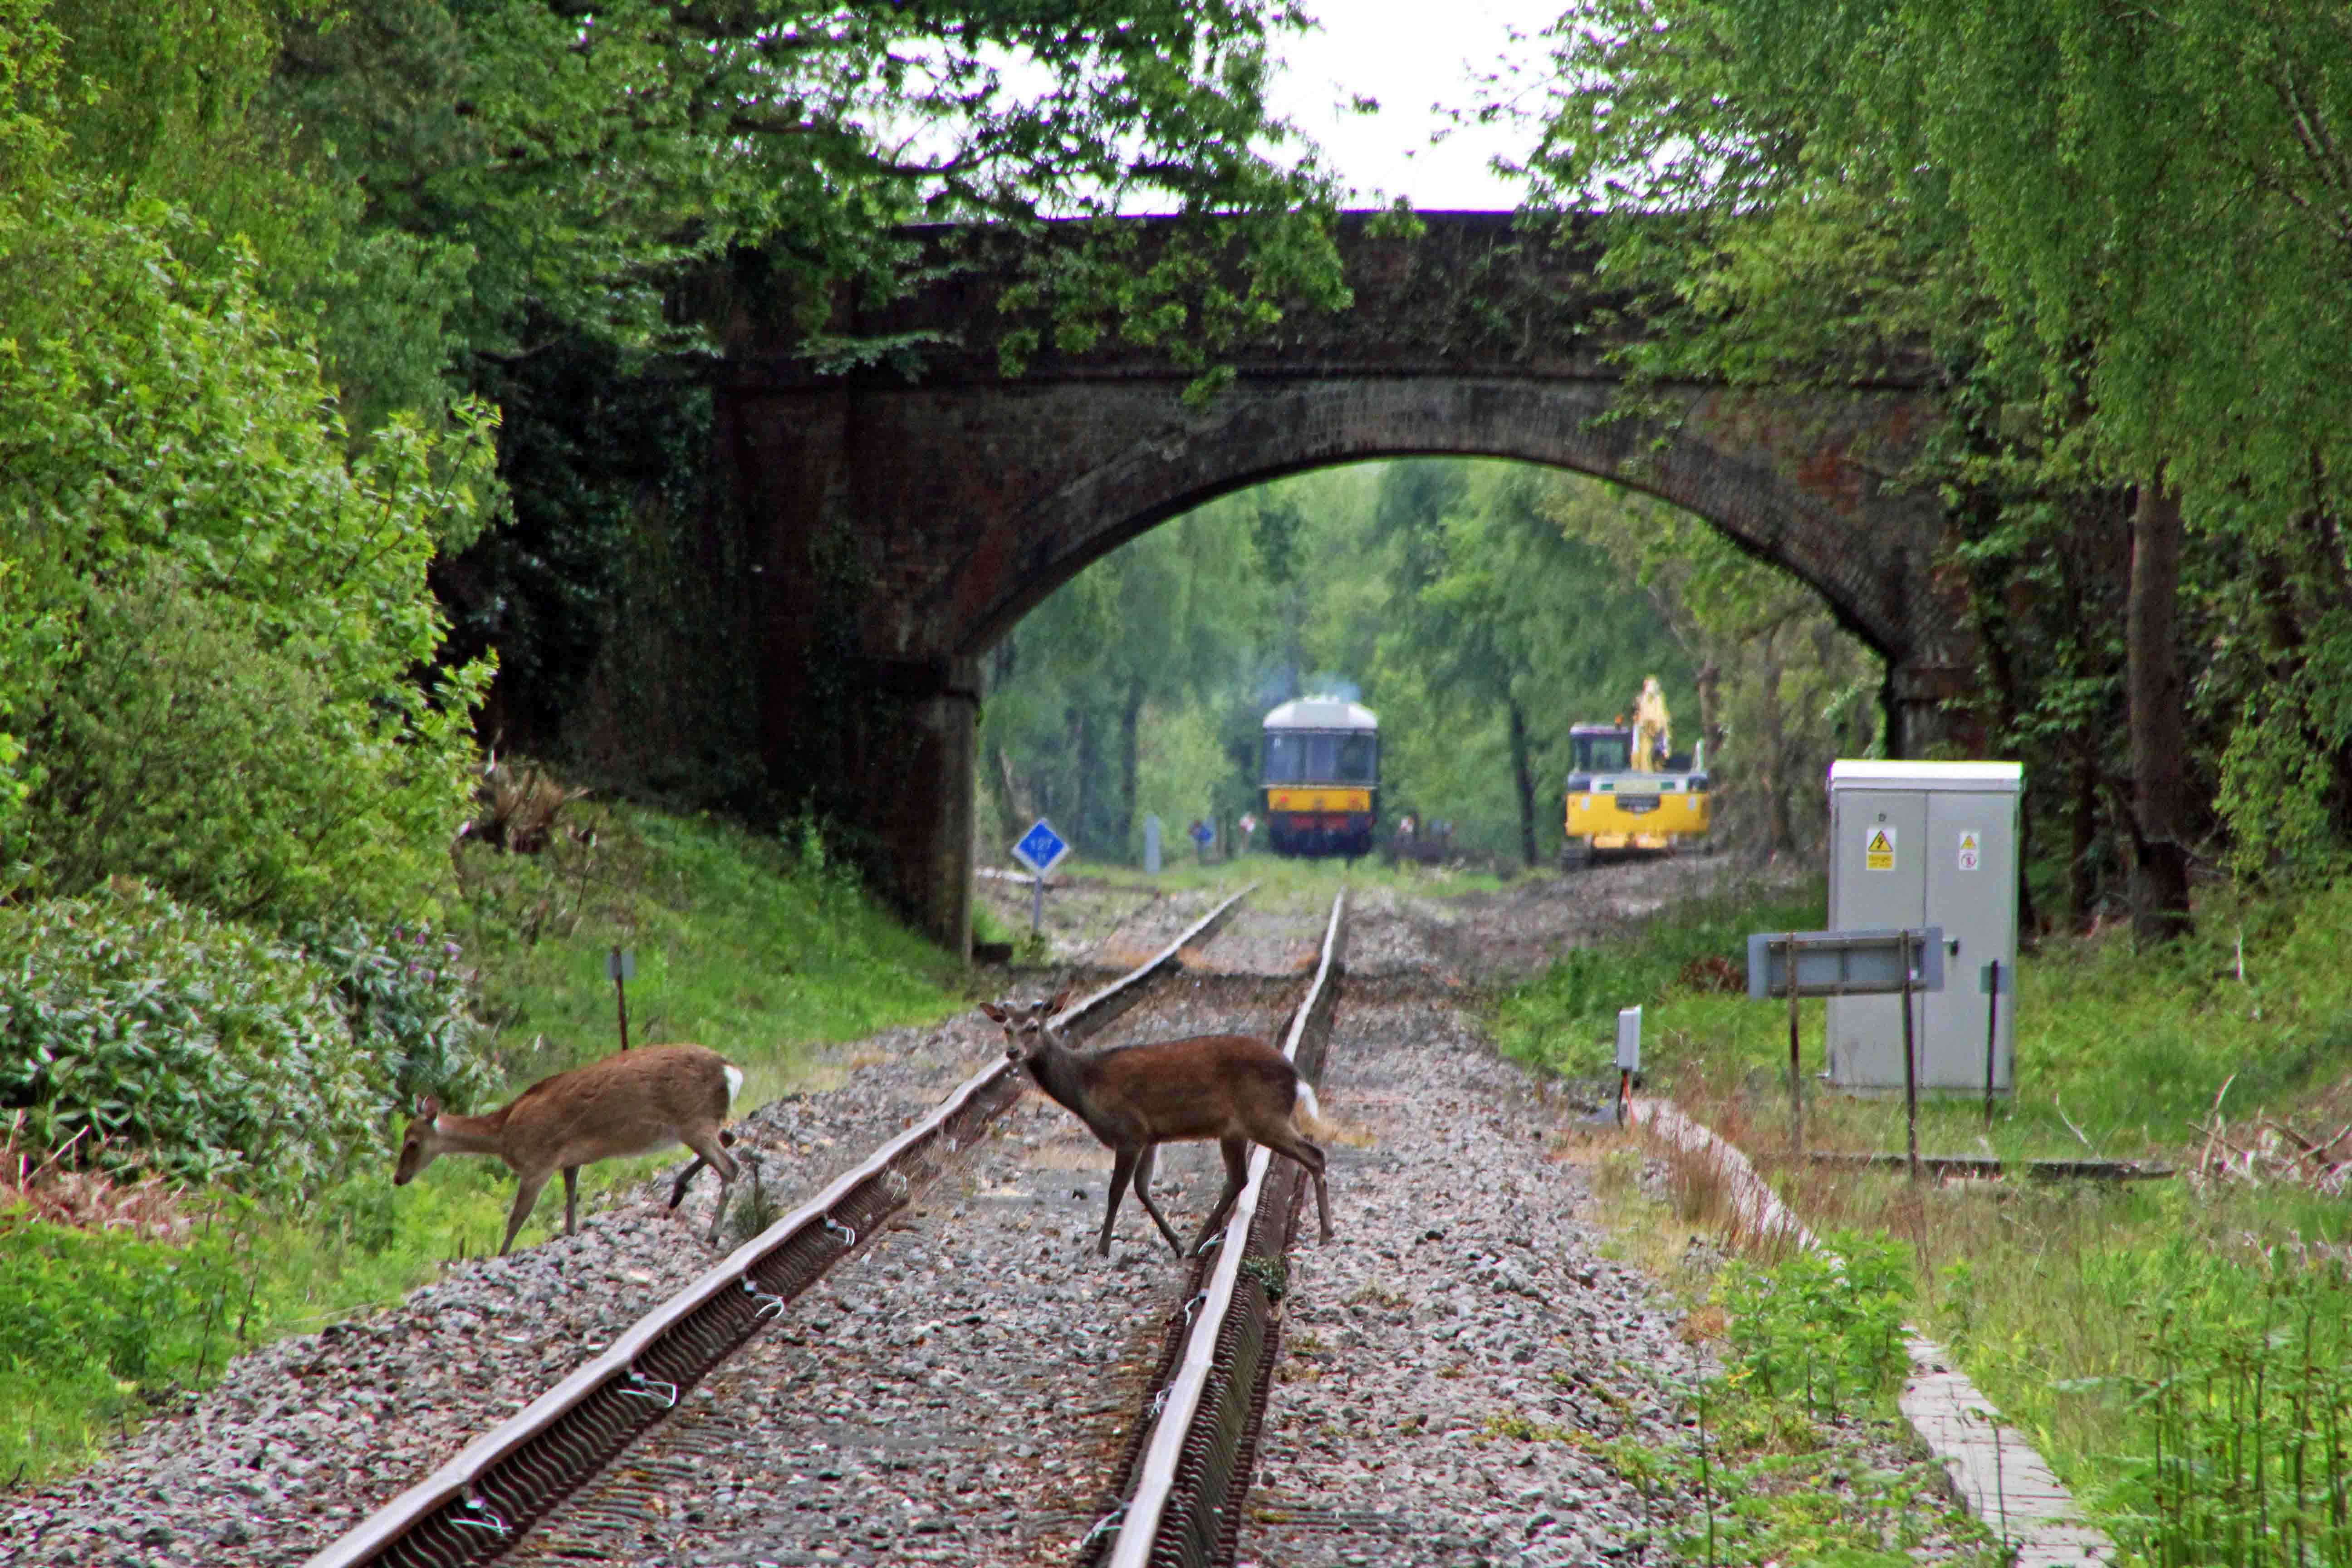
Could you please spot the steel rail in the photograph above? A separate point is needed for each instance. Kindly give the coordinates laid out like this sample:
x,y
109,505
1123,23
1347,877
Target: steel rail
x,y
1205,1418
476,1506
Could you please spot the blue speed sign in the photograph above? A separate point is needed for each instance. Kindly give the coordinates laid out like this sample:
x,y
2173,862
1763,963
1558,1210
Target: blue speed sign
x,y
1041,848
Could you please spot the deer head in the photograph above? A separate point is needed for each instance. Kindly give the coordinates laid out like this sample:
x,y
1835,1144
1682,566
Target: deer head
x,y
1025,1034
420,1145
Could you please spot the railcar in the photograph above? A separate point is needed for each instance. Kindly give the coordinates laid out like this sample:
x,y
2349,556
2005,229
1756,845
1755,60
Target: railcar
x,y
1320,784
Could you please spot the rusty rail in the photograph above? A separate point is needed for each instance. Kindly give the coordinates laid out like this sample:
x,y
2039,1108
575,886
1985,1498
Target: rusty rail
x,y
1183,1485
473,1508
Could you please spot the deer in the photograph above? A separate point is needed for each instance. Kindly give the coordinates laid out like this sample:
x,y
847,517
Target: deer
x,y
1236,1088
637,1102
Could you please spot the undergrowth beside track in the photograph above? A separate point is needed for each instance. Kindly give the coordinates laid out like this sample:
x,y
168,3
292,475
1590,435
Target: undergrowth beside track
x,y
2181,1351
756,946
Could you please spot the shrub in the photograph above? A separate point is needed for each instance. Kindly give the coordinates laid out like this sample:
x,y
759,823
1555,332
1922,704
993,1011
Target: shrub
x,y
164,1038
1823,1325
408,1001
221,693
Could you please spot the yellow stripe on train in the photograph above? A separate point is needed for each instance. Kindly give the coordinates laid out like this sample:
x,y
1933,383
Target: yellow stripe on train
x,y
1319,800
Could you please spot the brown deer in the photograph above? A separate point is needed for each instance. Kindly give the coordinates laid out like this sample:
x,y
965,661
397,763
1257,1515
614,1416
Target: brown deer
x,y
1235,1088
636,1103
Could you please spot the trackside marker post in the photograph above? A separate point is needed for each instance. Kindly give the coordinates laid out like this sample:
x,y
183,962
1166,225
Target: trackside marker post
x,y
621,964
1041,849
1629,1056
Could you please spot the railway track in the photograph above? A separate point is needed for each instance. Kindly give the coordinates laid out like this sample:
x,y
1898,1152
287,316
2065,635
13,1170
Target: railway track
x,y
1449,1381
611,1462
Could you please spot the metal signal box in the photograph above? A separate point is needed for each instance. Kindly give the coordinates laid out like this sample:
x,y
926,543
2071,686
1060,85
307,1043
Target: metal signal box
x,y
1928,844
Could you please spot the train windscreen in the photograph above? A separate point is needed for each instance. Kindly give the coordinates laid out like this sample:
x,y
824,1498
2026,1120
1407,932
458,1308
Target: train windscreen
x,y
1292,757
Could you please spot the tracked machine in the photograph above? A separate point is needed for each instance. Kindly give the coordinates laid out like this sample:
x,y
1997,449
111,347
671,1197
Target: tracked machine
x,y
1627,790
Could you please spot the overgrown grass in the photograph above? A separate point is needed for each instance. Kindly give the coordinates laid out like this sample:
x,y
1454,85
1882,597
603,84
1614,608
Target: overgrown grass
x,y
2178,1352
758,948
1794,1454
1286,879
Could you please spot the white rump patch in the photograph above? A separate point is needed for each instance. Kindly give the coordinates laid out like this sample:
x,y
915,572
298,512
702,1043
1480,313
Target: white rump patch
x,y
734,1082
1307,1098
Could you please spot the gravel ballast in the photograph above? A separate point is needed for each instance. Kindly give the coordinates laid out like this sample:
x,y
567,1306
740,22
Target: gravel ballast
x,y
960,1390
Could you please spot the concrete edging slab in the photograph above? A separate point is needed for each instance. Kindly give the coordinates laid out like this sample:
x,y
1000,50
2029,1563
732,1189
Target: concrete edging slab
x,y
1992,1471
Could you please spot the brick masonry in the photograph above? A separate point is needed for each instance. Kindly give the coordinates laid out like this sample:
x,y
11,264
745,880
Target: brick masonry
x,y
909,521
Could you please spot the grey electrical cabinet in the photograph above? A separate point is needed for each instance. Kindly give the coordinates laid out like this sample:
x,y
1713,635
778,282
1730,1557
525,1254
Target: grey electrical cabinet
x,y
1927,844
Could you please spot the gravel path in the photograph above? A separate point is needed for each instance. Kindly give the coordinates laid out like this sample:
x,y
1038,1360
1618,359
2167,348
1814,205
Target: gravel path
x,y
1462,1308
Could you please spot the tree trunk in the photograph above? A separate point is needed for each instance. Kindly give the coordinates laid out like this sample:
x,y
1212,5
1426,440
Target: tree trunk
x,y
2081,889
2159,722
1082,751
1130,714
1018,815
1523,771
1711,708
1772,742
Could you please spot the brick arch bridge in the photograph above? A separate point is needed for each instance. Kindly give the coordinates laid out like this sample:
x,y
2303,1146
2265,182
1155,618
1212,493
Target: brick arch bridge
x,y
897,526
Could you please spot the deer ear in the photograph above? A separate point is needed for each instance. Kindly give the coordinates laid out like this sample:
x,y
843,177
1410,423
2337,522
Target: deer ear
x,y
995,1013
429,1107
1062,1001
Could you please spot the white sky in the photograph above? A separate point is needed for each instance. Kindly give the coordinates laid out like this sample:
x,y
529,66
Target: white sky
x,y
1409,54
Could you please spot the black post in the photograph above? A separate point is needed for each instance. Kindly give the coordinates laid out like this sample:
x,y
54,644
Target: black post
x,y
1992,1031
620,999
1910,1069
1796,1077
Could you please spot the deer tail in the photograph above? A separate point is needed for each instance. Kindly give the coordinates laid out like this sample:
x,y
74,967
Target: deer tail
x,y
734,1082
1307,1113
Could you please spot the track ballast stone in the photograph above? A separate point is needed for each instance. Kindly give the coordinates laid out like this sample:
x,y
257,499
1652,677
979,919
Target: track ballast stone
x,y
1448,1361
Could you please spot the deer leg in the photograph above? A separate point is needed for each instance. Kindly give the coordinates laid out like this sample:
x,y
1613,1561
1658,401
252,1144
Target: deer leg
x,y
711,1148
1122,1167
1236,1153
526,1198
1293,1146
571,1200
1143,1195
677,1188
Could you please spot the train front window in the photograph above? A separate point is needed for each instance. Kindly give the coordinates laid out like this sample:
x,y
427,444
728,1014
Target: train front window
x,y
1295,758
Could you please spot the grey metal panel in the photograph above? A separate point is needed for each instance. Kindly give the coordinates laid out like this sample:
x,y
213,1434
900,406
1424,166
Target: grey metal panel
x,y
1843,962
1976,906
1865,1033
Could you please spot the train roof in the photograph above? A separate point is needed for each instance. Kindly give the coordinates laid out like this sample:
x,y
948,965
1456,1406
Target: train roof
x,y
1322,713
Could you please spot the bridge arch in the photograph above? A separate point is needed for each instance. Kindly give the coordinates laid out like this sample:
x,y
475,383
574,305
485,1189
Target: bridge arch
x,y
1708,462
894,527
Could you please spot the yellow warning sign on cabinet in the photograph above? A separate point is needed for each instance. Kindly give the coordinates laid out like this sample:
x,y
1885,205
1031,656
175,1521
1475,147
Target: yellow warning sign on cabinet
x,y
1878,851
1971,854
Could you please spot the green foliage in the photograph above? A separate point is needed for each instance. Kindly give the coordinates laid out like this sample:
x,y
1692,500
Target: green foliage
x,y
2101,233
753,944
1814,1336
1823,1326
228,612
91,1322
2203,1381
1564,1018
167,1040
409,1003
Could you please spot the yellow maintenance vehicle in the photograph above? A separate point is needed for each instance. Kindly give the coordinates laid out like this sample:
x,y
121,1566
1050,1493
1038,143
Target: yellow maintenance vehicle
x,y
1627,790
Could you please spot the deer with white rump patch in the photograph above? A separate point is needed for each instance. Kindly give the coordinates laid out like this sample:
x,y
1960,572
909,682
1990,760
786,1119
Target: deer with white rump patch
x,y
1236,1088
638,1103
